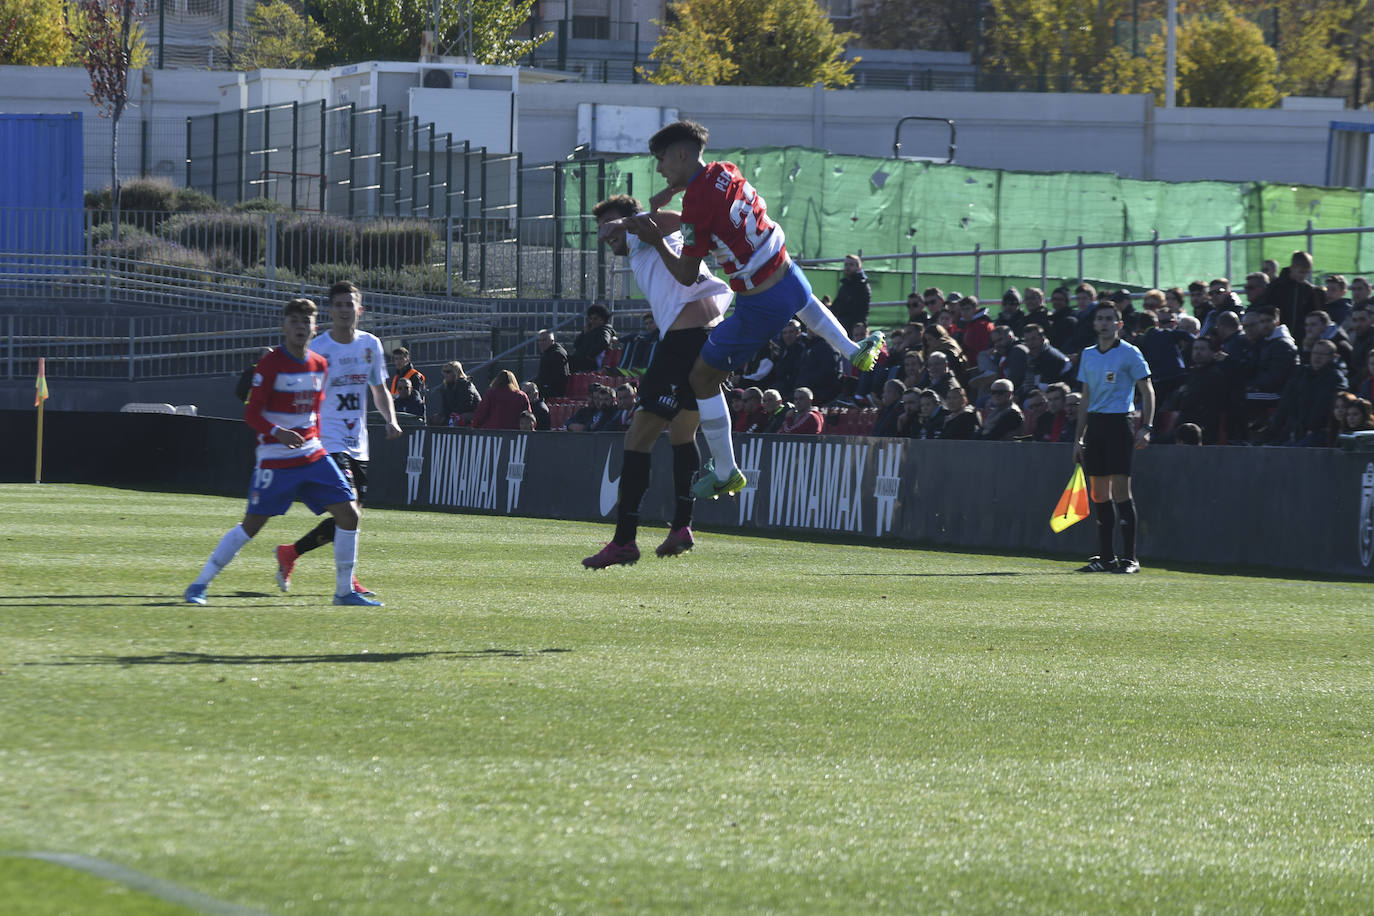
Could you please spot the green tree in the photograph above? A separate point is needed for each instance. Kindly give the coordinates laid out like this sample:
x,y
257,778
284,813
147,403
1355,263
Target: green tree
x,y
276,37
390,29
750,43
1050,45
929,25
33,33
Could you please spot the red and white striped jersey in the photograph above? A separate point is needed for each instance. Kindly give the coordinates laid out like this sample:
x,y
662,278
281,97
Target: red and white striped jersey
x,y
287,392
722,214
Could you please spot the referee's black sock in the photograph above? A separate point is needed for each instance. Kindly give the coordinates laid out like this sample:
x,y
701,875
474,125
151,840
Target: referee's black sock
x,y
1126,512
322,534
686,463
634,480
1106,521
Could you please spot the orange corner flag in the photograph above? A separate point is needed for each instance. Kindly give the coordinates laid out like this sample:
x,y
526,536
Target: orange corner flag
x,y
1073,505
40,393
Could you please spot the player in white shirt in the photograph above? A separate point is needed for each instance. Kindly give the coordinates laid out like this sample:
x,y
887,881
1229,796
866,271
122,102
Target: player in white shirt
x,y
685,316
357,365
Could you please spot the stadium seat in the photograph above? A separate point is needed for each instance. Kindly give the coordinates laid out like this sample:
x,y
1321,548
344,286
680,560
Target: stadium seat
x,y
611,359
578,383
136,407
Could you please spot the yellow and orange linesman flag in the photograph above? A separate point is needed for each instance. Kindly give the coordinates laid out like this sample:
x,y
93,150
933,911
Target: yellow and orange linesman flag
x,y
40,393
1073,505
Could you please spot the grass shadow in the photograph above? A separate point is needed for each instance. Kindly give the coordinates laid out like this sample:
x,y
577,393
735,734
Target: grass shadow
x,y
212,658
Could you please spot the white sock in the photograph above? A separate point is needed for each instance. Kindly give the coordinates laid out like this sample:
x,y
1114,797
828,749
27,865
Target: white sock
x,y
224,552
715,426
345,559
821,320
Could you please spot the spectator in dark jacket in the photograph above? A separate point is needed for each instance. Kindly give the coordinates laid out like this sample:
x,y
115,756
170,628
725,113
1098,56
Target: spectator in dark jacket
x,y
854,295
1338,304
787,365
1208,398
502,405
1058,422
405,398
593,341
888,414
553,366
1271,356
1294,295
820,371
1304,414
543,417
962,419
1044,364
1011,314
598,414
1005,419
1162,349
455,400
1063,326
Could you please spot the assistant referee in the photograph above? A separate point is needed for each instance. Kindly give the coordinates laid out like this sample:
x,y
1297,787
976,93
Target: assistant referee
x,y
1111,374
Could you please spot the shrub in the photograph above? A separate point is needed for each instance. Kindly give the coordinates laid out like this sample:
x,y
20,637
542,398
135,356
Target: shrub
x,y
147,194
395,243
416,278
159,257
316,239
103,231
237,233
191,200
261,205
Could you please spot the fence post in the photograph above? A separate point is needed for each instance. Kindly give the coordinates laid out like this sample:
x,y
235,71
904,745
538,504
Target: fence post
x,y
265,170
324,157
601,249
1227,233
143,148
1310,240
188,152
352,144
1044,263
463,222
1154,252
978,270
243,141
214,156
9,363
557,236
295,146
482,226
915,272
519,213
1080,259
448,255
131,349
270,246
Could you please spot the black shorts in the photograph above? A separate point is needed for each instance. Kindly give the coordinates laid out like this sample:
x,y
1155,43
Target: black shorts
x,y
664,389
354,471
1108,444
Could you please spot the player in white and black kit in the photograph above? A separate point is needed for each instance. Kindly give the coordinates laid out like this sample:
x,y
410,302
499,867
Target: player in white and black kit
x,y
357,365
1112,374
685,315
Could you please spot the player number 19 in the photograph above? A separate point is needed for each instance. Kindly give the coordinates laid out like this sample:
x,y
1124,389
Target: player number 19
x,y
262,478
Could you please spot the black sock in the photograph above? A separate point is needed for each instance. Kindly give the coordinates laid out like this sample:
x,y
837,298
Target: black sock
x,y
1126,512
634,480
686,463
1106,521
322,534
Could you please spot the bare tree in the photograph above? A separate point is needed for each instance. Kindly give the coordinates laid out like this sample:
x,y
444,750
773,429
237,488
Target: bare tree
x,y
107,38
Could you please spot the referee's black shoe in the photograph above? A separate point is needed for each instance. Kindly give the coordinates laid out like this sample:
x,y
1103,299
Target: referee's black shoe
x,y
1097,564
1125,565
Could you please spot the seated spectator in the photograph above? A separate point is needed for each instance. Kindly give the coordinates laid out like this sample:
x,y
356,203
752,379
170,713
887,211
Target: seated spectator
x,y
759,371
502,404
937,376
1011,314
1270,268
400,359
750,410
1007,358
1359,416
975,327
590,346
1187,434
773,411
1270,357
598,414
543,418
1361,339
455,400
1057,423
638,349
1304,414
821,370
913,369
803,419
910,420
1338,304
924,306
405,399
932,417
1032,409
525,422
935,338
787,366
1045,365
1208,396
553,366
1319,326
1036,312
1365,386
1293,294
1163,351
1361,294
1063,326
624,405
890,410
1004,420
1256,288
962,419
1226,335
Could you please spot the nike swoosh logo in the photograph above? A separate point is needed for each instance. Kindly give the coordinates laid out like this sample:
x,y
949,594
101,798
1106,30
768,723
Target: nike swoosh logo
x,y
610,489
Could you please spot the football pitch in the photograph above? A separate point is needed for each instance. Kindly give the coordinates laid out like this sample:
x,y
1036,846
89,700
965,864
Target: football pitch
x,y
762,726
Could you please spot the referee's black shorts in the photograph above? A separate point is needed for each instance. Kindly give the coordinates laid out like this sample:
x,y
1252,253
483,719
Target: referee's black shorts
x,y
354,470
664,389
1108,444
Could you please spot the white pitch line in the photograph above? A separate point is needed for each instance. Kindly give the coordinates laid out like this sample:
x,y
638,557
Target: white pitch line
x,y
172,893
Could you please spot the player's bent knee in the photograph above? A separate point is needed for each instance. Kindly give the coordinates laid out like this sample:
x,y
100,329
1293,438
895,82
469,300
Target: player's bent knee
x,y
345,515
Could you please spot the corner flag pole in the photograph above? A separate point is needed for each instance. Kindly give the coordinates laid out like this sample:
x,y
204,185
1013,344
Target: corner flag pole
x,y
40,395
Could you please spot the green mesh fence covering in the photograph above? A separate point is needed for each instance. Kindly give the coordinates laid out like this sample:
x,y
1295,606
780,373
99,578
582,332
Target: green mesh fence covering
x,y
831,205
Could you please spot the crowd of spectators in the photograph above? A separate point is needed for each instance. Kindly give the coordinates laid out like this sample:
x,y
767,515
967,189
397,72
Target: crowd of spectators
x,y
1283,362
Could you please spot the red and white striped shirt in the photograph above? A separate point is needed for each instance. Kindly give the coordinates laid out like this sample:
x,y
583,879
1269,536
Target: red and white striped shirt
x,y
287,392
724,215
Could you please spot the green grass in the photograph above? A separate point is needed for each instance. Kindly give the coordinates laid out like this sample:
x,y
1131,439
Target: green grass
x,y
761,726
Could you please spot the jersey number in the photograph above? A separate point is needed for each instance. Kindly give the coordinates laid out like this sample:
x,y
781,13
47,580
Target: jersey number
x,y
262,478
742,213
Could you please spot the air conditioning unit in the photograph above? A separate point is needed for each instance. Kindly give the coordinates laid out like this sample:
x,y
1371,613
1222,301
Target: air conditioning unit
x,y
443,78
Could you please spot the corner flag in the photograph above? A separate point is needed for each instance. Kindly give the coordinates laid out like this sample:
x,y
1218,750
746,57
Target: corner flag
x,y
1073,505
40,393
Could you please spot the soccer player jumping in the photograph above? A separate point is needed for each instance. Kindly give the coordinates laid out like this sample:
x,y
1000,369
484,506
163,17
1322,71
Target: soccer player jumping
x,y
357,365
1112,373
283,409
723,215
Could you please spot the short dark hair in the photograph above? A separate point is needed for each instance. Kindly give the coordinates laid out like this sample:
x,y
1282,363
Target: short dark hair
x,y
683,131
344,286
401,351
1032,326
623,204
599,310
299,307
1104,305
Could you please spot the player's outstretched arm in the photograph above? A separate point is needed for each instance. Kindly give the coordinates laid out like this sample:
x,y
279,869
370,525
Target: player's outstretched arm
x,y
661,198
684,268
387,408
